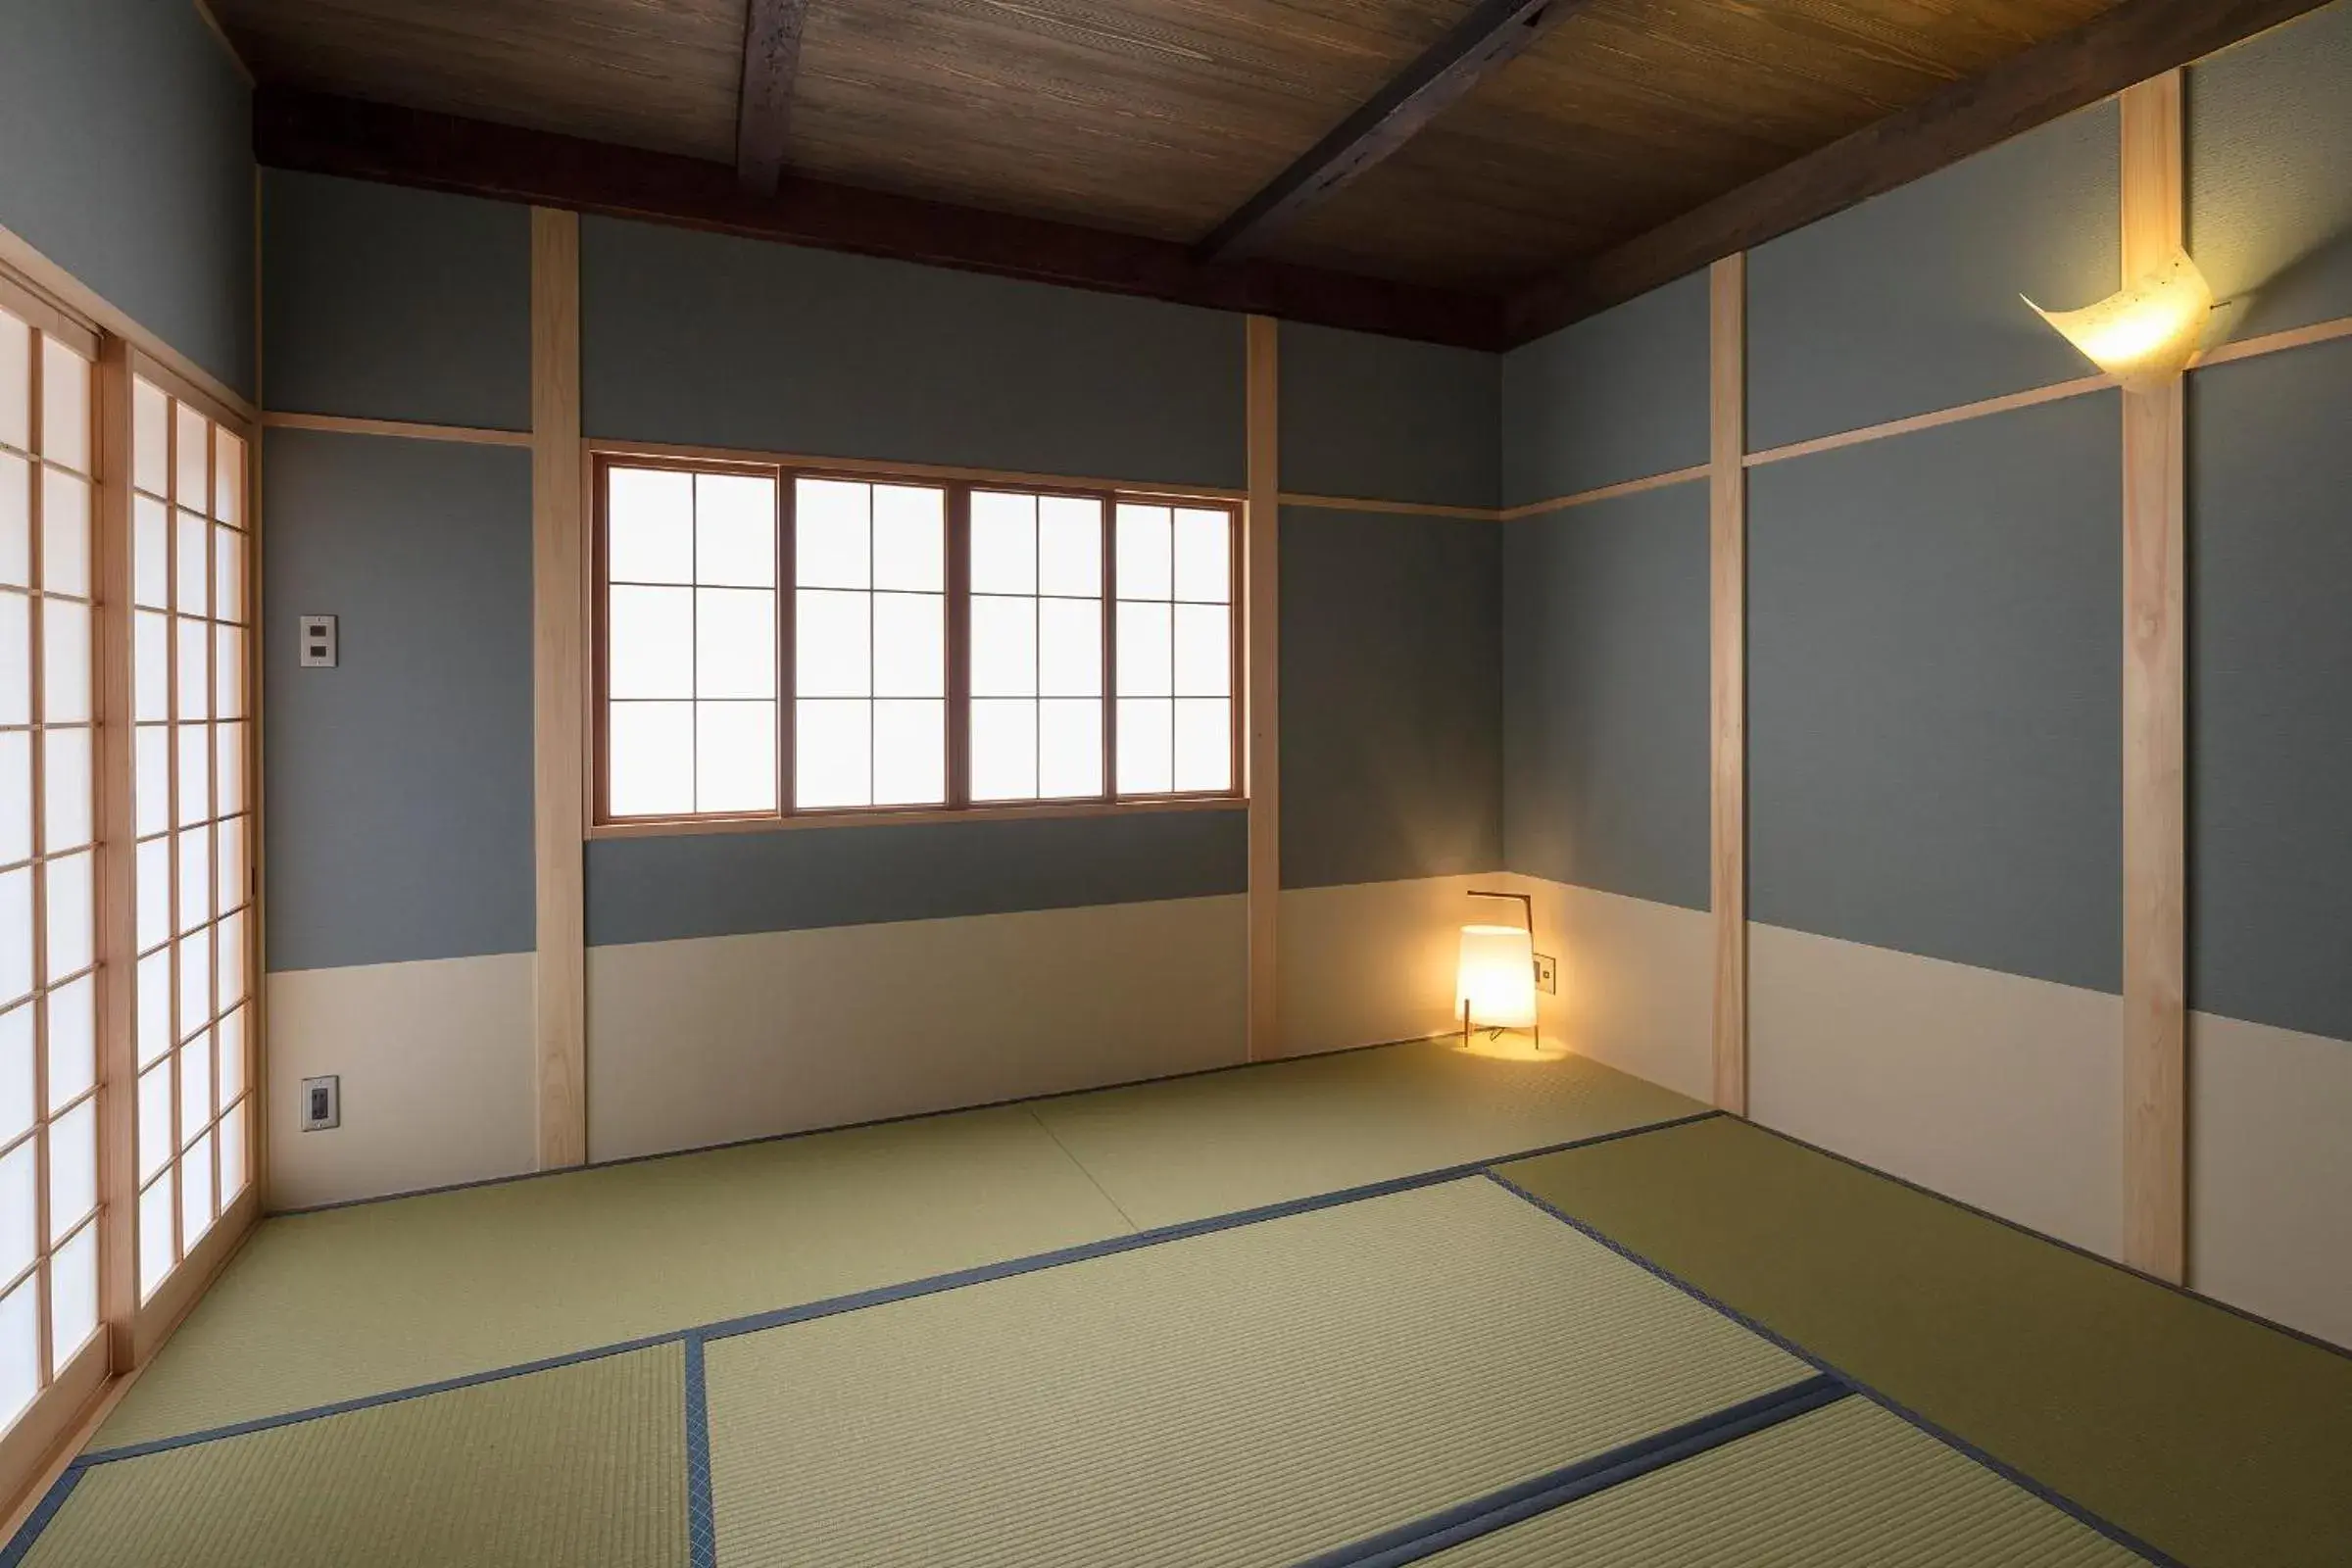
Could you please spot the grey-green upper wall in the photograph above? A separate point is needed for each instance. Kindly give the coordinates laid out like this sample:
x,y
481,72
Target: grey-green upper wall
x,y
1383,419
1392,702
1605,753
1908,303
706,339
380,303
2269,173
126,158
1620,396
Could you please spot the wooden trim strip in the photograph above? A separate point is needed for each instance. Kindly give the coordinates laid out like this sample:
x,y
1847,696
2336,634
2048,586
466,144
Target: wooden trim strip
x,y
1726,553
2293,337
1608,492
1928,421
687,827
86,305
117,831
2155,1142
1261,760
1402,508
277,420
559,687
46,317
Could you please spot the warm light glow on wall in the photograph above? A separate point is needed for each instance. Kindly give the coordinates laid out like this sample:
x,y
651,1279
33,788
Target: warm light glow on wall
x,y
2145,334
1497,980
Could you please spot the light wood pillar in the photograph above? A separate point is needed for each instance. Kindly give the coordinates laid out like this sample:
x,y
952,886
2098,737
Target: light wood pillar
x,y
1262,761
1727,555
118,890
558,665
2155,728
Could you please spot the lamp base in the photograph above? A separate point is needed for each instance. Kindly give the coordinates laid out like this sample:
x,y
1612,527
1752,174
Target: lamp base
x,y
1509,1045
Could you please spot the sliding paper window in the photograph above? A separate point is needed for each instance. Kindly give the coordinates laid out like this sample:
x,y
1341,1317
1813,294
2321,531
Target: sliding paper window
x,y
690,643
1175,649
869,644
49,981
776,642
191,805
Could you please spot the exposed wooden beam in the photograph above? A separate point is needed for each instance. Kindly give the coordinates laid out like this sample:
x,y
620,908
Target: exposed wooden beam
x,y
443,152
2136,40
771,55
1485,41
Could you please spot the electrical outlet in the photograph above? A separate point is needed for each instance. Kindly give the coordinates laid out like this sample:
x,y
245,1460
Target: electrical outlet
x,y
1547,974
319,642
322,1103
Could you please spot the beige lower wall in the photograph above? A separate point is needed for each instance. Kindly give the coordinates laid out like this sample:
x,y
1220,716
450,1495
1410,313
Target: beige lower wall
x,y
1636,986
1369,961
1999,1091
435,1061
716,1039
2269,1172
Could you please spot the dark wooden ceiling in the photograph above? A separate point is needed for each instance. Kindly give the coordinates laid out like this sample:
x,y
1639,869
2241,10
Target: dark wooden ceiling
x,y
1159,118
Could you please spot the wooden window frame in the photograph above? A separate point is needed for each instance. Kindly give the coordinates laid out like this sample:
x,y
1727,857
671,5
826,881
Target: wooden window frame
x,y
956,488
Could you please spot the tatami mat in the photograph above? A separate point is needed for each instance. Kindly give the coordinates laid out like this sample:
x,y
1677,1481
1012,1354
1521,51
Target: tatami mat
x,y
1212,1144
1249,1396
343,1305
2212,1438
583,1466
330,1306
1850,1486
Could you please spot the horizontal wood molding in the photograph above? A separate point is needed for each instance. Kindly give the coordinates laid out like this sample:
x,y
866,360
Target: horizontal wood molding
x,y
344,136
1928,421
1494,34
1404,509
403,429
2135,41
1606,492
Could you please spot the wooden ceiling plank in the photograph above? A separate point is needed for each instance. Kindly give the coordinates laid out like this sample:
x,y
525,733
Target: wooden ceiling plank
x,y
329,135
2130,43
771,57
1493,36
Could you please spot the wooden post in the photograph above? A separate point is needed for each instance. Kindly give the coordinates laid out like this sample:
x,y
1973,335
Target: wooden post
x,y
2155,832
559,563
1262,757
118,894
1726,553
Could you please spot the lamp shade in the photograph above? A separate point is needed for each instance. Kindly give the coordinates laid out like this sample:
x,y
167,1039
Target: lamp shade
x,y
2145,334
1497,980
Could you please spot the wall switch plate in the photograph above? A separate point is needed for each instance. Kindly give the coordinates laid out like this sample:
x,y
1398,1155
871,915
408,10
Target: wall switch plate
x,y
322,1103
318,641
1547,974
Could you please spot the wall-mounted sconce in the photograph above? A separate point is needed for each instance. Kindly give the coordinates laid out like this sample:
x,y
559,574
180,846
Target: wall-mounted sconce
x,y
1494,985
2145,333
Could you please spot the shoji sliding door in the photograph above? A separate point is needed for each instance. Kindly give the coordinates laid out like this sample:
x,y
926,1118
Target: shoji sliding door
x,y
49,957
192,682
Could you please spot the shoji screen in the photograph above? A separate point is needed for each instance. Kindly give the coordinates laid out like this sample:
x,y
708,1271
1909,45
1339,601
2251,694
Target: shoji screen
x,y
48,873
191,676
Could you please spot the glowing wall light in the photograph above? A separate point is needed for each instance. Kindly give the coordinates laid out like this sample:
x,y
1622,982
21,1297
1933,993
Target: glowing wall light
x,y
2145,334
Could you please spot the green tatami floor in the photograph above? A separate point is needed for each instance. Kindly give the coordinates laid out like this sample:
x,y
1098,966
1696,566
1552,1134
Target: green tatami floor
x,y
1372,1337
349,1302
